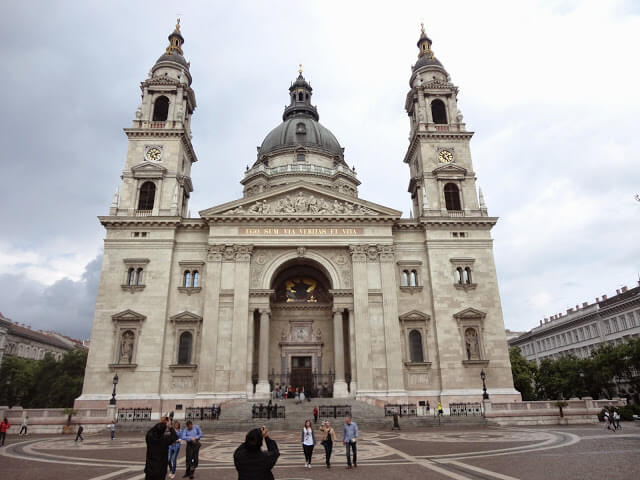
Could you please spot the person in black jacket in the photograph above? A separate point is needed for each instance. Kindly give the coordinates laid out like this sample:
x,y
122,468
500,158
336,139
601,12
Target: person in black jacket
x,y
250,461
158,450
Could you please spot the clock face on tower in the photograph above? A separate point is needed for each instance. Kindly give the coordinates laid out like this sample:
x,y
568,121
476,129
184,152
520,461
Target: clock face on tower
x,y
153,154
445,156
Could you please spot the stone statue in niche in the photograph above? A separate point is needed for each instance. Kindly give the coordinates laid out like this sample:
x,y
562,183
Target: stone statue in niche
x,y
284,334
126,347
471,344
317,335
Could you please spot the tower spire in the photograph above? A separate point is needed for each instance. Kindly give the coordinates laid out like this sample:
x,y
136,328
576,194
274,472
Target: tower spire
x,y
175,40
424,43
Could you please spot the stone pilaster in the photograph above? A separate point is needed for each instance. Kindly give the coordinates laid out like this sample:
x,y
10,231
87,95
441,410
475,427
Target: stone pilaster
x,y
263,388
339,385
209,343
250,353
352,350
392,339
240,322
361,314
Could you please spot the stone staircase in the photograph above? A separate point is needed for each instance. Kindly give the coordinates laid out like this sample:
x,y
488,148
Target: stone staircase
x,y
237,416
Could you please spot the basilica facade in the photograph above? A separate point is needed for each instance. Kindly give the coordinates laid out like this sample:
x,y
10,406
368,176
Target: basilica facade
x,y
300,282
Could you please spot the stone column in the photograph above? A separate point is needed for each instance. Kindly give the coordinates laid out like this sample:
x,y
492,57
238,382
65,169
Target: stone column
x,y
392,342
263,388
209,342
250,355
339,385
238,378
361,314
352,351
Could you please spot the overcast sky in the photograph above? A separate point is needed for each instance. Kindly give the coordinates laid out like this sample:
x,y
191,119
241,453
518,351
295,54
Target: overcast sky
x,y
550,88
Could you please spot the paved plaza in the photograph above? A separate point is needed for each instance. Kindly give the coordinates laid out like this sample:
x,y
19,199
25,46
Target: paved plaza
x,y
573,452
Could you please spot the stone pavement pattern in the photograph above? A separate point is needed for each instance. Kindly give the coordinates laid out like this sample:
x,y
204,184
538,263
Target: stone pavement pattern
x,y
576,452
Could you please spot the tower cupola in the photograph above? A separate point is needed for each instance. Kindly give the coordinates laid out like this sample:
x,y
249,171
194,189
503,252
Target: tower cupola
x,y
425,54
300,92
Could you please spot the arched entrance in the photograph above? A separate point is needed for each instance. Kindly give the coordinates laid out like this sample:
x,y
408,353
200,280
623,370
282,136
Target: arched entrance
x,y
306,347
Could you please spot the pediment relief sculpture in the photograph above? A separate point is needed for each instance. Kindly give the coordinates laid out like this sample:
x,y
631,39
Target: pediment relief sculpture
x,y
301,204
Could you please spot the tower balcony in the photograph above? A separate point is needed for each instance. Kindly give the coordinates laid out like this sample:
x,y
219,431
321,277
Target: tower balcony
x,y
293,168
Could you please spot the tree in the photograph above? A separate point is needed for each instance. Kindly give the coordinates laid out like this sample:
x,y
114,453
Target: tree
x,y
524,373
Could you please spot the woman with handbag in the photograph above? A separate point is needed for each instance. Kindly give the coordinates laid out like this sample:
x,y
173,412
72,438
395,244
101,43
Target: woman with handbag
x,y
328,437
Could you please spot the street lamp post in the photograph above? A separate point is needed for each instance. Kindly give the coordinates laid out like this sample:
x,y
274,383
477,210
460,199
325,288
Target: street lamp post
x,y
113,395
483,376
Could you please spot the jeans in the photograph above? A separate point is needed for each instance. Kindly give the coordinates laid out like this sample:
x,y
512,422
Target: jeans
x,y
3,435
308,451
328,447
174,450
352,446
192,457
23,429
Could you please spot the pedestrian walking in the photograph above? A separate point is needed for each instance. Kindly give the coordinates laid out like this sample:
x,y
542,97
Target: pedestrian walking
x,y
606,418
440,409
251,462
191,435
328,438
302,395
315,414
308,442
350,438
23,427
174,450
616,420
158,443
4,426
79,433
218,410
112,430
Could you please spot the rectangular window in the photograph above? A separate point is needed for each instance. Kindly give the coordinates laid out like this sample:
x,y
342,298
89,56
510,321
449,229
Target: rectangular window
x,y
580,334
623,322
575,336
632,320
594,330
607,327
614,325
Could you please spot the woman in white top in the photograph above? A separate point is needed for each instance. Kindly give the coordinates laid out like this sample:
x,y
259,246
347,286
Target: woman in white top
x,y
308,442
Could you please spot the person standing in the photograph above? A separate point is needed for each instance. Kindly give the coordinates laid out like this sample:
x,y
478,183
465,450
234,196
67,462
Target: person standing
x,y
23,427
112,430
4,426
616,420
440,409
308,442
250,461
315,415
328,437
158,450
349,438
174,450
192,435
79,433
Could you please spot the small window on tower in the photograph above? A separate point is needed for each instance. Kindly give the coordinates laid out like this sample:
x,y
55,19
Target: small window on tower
x,y
300,96
161,109
438,111
301,128
147,196
300,157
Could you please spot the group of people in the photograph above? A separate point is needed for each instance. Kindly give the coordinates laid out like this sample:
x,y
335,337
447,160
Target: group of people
x,y
612,419
164,440
299,393
328,438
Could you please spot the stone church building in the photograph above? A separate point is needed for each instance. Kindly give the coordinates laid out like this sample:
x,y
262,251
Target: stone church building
x,y
300,282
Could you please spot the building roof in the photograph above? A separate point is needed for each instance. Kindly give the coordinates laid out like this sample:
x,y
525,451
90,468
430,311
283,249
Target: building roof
x,y
49,338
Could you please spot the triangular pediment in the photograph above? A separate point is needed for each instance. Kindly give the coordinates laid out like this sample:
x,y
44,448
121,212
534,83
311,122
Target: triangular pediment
x,y
148,170
186,317
128,316
449,170
300,199
414,315
468,313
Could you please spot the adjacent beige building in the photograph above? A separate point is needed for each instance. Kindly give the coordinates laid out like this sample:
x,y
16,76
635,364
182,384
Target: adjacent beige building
x,y
299,282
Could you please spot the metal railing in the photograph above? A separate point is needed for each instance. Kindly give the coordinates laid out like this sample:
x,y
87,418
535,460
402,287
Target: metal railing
x,y
402,409
134,414
322,383
274,412
334,411
465,409
300,168
199,413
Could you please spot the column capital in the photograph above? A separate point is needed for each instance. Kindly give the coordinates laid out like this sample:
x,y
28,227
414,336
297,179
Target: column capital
x,y
386,252
264,311
214,253
243,252
358,253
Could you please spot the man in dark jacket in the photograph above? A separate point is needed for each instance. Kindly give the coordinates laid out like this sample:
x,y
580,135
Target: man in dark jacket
x,y
251,462
158,451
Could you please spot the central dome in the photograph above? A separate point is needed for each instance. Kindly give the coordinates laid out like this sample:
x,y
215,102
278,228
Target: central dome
x,y
300,130
300,127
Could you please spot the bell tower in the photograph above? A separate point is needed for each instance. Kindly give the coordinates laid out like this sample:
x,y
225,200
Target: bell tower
x,y
156,180
442,179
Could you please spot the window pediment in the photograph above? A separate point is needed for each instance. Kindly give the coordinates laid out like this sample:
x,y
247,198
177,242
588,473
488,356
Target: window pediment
x,y
184,317
128,316
414,316
470,314
450,171
148,170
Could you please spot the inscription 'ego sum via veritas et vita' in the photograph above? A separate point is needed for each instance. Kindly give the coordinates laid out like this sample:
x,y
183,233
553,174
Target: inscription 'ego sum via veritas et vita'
x,y
304,231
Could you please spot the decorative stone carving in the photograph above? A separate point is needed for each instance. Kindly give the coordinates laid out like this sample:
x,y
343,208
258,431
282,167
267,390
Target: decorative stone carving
x,y
126,347
372,253
243,252
214,253
301,251
471,344
387,253
358,253
302,203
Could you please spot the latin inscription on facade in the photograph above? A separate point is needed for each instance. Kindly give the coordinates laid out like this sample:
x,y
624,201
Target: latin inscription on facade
x,y
302,231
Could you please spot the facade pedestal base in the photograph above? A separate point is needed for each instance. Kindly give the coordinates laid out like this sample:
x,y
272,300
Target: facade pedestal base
x,y
353,388
340,389
263,390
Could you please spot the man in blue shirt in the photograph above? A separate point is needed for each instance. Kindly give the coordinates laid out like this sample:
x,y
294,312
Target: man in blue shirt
x,y
350,437
191,435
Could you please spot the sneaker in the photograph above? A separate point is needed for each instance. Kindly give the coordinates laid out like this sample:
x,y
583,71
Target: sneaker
x,y
309,466
305,464
172,475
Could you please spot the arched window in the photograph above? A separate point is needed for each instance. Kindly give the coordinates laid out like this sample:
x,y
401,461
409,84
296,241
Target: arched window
x,y
415,347
131,276
196,278
413,278
186,279
301,96
452,197
147,196
467,275
161,109
184,348
459,275
438,111
139,276
404,281
301,128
